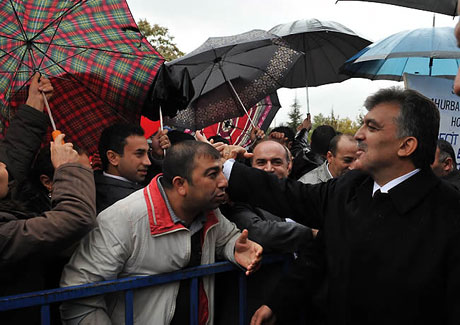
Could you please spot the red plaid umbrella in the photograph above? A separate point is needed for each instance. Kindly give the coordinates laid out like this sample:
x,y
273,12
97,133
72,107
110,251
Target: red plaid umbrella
x,y
92,51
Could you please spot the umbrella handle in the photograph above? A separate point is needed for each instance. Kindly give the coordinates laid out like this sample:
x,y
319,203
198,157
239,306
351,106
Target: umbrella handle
x,y
55,132
161,126
242,105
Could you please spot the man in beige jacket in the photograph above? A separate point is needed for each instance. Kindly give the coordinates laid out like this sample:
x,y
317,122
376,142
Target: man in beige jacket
x,y
171,224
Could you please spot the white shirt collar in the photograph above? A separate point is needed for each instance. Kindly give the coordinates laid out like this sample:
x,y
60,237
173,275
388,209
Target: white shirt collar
x,y
117,177
327,168
388,186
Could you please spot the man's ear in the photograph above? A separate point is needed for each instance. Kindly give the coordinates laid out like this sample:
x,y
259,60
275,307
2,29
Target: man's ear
x,y
407,146
46,182
448,165
113,157
329,156
180,184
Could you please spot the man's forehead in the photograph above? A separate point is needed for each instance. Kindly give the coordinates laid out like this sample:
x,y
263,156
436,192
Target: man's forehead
x,y
205,161
136,141
269,149
383,110
346,143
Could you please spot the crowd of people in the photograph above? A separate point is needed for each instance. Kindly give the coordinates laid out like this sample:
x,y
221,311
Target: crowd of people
x,y
370,222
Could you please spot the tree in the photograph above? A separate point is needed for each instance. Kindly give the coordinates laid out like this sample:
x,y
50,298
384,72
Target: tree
x,y
295,118
344,125
160,39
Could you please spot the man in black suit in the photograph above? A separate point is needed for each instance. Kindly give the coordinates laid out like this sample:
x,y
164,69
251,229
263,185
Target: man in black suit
x,y
125,162
391,229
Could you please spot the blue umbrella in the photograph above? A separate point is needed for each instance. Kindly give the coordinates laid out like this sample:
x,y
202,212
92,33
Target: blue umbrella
x,y
424,51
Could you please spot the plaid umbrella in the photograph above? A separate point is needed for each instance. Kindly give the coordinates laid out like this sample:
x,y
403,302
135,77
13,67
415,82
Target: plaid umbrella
x,y
99,64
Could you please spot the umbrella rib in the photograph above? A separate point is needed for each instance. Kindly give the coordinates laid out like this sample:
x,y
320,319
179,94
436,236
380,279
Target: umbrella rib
x,y
66,12
95,49
18,20
11,85
89,89
45,54
209,74
50,42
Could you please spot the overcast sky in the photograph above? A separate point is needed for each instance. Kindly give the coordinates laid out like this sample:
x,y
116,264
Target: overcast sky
x,y
191,22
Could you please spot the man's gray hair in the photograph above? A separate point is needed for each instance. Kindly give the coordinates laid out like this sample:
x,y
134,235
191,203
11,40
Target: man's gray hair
x,y
418,117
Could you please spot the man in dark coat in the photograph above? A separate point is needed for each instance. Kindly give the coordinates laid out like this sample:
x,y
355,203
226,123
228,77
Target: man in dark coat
x,y
391,231
445,164
273,232
125,161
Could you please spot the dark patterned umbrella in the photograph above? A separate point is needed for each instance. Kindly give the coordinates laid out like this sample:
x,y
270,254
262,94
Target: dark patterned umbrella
x,y
91,50
231,74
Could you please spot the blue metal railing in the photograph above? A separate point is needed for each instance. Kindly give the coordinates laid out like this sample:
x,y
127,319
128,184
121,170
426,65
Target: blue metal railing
x,y
46,297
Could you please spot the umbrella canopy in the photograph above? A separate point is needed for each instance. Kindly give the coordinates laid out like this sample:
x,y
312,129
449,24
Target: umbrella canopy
x,y
424,51
446,7
326,44
238,129
171,91
230,74
91,50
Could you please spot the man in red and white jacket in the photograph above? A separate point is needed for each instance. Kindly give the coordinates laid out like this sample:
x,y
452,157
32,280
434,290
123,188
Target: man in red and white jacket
x,y
171,224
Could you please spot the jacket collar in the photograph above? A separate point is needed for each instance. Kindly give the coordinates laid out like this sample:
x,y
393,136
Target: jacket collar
x,y
409,193
406,195
159,217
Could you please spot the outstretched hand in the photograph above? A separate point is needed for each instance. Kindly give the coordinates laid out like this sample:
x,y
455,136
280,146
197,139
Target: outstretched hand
x,y
38,85
248,254
227,151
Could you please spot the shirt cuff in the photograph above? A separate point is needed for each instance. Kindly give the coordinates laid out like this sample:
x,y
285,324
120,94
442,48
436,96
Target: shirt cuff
x,y
227,168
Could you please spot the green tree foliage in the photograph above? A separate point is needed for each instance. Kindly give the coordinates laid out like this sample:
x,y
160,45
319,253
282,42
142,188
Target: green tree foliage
x,y
160,39
344,125
295,118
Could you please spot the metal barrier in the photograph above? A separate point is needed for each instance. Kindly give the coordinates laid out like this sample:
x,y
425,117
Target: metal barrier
x,y
46,297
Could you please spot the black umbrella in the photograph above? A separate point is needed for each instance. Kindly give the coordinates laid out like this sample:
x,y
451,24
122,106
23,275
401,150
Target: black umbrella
x,y
446,7
170,92
326,44
232,73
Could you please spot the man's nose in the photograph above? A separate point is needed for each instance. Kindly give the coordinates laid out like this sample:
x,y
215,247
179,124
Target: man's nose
x,y
359,133
222,181
146,160
269,168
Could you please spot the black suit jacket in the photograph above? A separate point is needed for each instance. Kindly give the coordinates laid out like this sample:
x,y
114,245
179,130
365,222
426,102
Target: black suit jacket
x,y
110,190
389,261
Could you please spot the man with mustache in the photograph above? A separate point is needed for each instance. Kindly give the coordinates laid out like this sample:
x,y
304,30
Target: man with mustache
x,y
171,224
125,161
391,228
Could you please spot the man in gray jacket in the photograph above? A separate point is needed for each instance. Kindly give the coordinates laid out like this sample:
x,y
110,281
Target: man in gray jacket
x,y
339,159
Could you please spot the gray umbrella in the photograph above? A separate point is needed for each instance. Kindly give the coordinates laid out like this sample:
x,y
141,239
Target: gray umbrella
x,y
326,44
446,7
230,74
